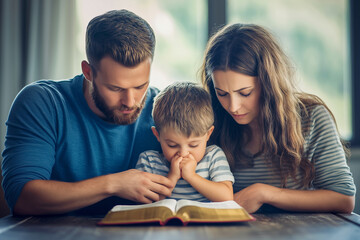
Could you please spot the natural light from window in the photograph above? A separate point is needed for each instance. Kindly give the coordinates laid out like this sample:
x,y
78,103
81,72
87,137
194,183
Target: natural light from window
x,y
180,28
315,36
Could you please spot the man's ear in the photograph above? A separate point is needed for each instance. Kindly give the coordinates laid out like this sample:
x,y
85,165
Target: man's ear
x,y
86,69
156,133
211,129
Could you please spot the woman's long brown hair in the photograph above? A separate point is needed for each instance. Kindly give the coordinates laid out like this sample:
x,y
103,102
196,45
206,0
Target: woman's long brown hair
x,y
251,49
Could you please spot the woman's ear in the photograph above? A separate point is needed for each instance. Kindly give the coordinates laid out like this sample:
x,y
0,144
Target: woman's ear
x,y
86,69
211,129
156,133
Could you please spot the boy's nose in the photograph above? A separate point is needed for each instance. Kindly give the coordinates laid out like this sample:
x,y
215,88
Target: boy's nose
x,y
183,152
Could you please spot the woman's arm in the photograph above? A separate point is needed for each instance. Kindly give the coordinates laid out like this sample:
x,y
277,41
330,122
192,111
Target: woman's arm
x,y
252,197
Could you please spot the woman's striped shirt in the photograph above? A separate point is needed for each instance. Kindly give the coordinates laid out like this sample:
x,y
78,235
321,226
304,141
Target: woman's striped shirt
x,y
322,147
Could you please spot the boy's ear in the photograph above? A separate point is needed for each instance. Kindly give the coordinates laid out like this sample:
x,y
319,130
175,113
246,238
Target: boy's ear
x,y
86,69
211,129
156,133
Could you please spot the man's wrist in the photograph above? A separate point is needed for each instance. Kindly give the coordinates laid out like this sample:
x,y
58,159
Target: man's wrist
x,y
109,189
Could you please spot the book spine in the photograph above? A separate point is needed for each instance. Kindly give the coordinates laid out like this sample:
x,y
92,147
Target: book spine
x,y
176,221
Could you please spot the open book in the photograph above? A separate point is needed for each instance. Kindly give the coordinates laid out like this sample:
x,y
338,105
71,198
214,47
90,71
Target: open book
x,y
186,211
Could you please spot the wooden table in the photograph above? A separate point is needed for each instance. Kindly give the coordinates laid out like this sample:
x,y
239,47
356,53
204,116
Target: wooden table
x,y
267,226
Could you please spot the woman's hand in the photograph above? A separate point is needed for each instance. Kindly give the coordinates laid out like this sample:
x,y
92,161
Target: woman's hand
x,y
254,196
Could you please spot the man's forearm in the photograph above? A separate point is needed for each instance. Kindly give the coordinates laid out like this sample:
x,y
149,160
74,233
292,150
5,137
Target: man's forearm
x,y
53,197
40,197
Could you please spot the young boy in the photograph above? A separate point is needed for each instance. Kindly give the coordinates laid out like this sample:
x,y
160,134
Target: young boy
x,y
184,120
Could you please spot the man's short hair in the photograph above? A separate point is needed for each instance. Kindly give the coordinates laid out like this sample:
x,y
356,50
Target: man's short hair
x,y
184,107
121,35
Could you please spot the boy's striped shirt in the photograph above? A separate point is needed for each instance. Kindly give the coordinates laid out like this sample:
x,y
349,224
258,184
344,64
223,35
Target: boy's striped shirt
x,y
213,167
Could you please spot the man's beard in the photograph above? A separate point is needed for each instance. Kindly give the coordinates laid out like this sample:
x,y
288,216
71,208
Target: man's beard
x,y
114,115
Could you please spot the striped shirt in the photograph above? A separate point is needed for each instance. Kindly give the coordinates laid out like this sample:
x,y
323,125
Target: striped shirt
x,y
322,147
213,167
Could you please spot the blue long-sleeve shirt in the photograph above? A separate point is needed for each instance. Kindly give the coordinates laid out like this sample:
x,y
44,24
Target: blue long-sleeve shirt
x,y
53,134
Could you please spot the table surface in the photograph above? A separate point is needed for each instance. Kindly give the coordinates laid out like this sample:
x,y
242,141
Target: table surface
x,y
267,226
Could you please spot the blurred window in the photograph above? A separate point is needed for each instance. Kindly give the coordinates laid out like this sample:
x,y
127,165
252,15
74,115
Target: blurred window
x,y
315,35
180,28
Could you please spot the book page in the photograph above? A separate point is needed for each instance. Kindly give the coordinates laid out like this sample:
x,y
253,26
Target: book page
x,y
169,203
228,211
217,205
157,212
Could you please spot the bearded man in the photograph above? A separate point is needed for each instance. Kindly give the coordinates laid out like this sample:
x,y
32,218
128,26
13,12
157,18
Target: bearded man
x,y
71,145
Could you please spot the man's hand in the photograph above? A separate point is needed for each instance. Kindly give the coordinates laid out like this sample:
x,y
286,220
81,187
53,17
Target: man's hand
x,y
40,197
140,186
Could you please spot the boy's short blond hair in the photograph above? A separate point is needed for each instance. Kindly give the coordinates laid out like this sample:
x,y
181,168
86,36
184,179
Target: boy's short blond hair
x,y
184,107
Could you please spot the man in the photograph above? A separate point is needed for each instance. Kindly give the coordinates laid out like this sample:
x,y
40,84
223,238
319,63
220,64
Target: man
x,y
70,144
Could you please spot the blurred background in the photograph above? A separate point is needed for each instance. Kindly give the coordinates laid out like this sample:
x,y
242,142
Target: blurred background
x,y
42,39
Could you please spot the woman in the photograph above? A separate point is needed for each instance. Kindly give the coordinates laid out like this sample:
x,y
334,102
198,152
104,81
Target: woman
x,y
282,144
